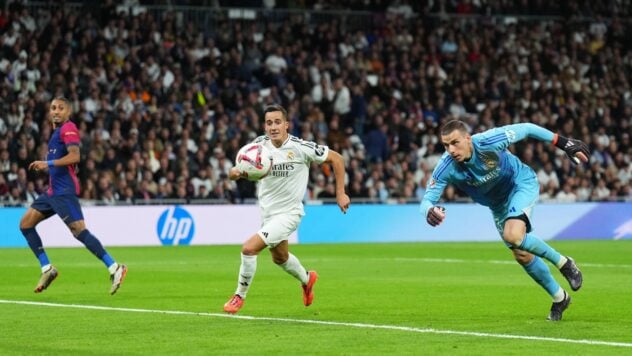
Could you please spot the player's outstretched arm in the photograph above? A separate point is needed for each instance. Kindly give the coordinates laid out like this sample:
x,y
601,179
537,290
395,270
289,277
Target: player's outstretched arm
x,y
576,150
338,163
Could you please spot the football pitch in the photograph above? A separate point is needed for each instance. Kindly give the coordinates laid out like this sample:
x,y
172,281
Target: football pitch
x,y
412,298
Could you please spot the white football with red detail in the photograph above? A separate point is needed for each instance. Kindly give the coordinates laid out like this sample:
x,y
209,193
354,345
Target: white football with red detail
x,y
254,160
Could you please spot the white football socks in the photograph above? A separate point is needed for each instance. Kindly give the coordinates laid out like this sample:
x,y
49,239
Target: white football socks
x,y
45,268
247,271
294,267
113,268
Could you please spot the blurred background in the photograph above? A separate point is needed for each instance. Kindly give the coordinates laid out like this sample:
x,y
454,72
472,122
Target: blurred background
x,y
165,92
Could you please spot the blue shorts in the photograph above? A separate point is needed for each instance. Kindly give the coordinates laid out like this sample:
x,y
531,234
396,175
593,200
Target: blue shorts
x,y
66,206
521,201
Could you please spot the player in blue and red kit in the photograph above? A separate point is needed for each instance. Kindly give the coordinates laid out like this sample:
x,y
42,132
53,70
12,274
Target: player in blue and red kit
x,y
62,198
481,166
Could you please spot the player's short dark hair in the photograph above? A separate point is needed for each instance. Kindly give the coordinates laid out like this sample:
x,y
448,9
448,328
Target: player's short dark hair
x,y
274,108
61,98
64,99
454,125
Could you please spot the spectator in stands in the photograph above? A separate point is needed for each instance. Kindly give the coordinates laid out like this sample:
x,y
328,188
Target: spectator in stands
x,y
547,177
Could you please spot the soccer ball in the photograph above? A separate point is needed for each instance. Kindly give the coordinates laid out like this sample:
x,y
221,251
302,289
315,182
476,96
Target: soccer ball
x,y
254,160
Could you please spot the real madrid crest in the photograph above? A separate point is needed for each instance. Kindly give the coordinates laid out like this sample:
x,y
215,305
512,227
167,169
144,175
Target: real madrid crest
x,y
489,159
490,163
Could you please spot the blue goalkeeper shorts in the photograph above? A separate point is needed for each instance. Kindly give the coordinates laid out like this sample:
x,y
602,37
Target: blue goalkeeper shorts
x,y
66,206
522,200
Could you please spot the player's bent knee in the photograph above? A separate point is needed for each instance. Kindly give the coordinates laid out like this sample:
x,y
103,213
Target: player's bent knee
x,y
513,239
76,232
77,227
513,234
248,251
24,225
279,260
30,219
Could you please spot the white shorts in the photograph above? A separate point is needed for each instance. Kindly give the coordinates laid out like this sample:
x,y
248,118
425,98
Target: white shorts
x,y
278,228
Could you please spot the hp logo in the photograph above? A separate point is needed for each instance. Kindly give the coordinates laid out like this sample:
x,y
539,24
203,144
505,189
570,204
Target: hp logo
x,y
175,227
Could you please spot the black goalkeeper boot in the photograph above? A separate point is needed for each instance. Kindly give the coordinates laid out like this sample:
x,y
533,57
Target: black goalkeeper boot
x,y
572,274
557,309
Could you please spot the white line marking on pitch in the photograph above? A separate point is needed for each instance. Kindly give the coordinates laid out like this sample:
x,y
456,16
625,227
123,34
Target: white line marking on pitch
x,y
322,322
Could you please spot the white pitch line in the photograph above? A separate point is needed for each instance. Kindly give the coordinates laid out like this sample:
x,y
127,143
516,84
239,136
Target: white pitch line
x,y
332,323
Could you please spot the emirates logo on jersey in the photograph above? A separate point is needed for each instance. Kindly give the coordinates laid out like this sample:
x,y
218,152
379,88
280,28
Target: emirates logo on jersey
x,y
281,170
486,178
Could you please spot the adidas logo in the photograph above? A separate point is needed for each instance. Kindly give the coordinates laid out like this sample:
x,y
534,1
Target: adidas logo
x,y
512,210
265,234
245,284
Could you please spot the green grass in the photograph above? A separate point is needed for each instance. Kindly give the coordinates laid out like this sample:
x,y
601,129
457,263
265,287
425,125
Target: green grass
x,y
408,285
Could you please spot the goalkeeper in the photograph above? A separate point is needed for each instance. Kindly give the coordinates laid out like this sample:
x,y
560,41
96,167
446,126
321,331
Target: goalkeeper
x,y
481,166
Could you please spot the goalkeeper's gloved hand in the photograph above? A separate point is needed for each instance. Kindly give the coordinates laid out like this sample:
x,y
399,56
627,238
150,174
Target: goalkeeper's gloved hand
x,y
436,215
576,150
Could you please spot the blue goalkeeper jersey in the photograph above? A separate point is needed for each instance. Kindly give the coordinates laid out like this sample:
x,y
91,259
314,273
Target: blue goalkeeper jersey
x,y
491,173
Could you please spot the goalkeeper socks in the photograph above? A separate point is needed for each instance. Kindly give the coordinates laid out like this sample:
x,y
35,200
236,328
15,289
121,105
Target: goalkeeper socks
x,y
294,267
35,243
94,246
247,271
533,244
540,273
562,262
559,295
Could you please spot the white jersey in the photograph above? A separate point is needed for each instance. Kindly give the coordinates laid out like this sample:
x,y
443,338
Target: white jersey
x,y
283,189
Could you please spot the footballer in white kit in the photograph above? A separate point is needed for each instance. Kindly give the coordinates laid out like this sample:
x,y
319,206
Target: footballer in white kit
x,y
281,192
280,195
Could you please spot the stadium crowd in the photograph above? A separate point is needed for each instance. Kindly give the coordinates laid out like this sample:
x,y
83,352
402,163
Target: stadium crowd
x,y
163,105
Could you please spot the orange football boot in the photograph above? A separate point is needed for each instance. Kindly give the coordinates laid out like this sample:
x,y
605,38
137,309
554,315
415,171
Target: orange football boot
x,y
308,293
234,304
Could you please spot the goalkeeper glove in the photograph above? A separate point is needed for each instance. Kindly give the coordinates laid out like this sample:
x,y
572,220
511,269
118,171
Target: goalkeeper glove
x,y
572,147
435,216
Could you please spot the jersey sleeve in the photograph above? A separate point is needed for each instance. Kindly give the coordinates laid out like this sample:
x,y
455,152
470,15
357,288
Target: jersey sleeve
x,y
69,134
312,151
437,183
497,139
